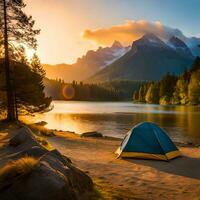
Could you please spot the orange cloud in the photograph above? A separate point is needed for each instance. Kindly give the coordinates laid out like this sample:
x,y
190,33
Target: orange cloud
x,y
129,31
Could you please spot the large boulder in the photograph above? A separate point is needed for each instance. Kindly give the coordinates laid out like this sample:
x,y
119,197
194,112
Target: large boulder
x,y
35,152
53,177
24,139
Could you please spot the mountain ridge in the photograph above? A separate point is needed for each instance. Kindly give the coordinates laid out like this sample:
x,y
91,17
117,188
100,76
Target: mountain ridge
x,y
149,59
87,65
131,62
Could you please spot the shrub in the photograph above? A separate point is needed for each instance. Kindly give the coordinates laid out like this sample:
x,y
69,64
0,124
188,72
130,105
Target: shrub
x,y
44,143
16,169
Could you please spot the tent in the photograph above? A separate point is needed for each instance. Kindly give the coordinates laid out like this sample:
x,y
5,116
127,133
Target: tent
x,y
147,141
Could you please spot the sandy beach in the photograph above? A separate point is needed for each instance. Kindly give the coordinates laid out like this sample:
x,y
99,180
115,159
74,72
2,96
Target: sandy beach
x,y
117,179
133,179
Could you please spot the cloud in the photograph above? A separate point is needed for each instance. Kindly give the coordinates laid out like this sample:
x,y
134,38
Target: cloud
x,y
130,31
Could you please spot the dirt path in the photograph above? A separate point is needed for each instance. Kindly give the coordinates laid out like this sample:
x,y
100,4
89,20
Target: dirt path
x,y
134,179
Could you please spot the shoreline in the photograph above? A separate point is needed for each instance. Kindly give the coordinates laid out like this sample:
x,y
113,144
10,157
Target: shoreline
x,y
64,134
150,179
127,178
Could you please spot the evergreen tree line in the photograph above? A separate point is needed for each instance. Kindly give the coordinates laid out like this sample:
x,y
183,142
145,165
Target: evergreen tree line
x,y
108,91
181,90
27,81
21,82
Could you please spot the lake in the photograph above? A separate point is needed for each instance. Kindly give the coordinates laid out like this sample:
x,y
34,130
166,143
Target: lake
x,y
116,118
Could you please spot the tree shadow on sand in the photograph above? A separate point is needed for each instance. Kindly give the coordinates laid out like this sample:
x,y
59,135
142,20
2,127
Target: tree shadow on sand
x,y
182,166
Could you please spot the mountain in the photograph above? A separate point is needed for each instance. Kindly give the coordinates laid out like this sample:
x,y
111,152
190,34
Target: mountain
x,y
179,46
149,59
88,64
194,44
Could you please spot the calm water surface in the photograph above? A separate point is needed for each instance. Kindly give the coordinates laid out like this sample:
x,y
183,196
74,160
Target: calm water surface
x,y
116,118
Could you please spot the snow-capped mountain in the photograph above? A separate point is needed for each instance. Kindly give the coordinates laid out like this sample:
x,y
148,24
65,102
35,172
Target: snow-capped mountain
x,y
102,56
149,39
115,52
179,46
87,65
149,59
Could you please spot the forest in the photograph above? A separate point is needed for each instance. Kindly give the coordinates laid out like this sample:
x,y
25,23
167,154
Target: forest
x,y
21,79
28,84
119,90
181,90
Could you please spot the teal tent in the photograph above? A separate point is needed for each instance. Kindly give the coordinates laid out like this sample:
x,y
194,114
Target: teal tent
x,y
148,141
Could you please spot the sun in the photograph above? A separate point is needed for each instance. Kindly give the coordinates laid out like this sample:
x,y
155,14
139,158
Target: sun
x,y
29,53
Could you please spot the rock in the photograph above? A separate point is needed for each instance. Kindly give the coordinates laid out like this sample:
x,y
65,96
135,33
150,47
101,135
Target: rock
x,y
79,180
92,134
42,123
48,133
64,159
190,143
52,178
35,152
24,139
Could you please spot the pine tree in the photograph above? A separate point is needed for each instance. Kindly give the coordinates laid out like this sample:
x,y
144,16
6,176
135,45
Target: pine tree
x,y
136,96
36,66
194,88
195,65
167,86
142,94
180,95
152,95
15,27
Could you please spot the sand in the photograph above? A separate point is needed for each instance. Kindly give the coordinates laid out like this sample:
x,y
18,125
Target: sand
x,y
132,178
118,179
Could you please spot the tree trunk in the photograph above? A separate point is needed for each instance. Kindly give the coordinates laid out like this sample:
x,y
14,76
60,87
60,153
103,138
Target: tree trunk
x,y
9,80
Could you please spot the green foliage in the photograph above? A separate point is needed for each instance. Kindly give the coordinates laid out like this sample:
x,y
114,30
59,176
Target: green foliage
x,y
194,88
107,91
136,95
152,95
84,92
20,25
36,66
125,87
180,95
167,84
196,65
16,27
184,89
29,88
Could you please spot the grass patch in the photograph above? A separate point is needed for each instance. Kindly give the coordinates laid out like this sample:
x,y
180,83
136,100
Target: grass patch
x,y
38,132
41,130
15,170
44,143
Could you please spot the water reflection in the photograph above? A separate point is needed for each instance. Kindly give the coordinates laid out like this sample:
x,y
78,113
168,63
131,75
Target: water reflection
x,y
115,119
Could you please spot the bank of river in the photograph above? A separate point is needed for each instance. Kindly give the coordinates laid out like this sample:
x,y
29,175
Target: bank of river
x,y
116,118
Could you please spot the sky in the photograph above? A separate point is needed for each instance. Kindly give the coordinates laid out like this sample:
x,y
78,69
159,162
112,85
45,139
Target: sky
x,y
69,28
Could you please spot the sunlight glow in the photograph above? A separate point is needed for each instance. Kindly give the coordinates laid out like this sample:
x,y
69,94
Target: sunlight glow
x,y
29,53
68,92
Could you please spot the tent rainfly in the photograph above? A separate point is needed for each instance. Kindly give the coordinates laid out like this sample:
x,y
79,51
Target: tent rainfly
x,y
147,141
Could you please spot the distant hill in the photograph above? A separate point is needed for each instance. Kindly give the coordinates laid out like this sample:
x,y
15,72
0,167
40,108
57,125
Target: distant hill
x,y
87,65
149,59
